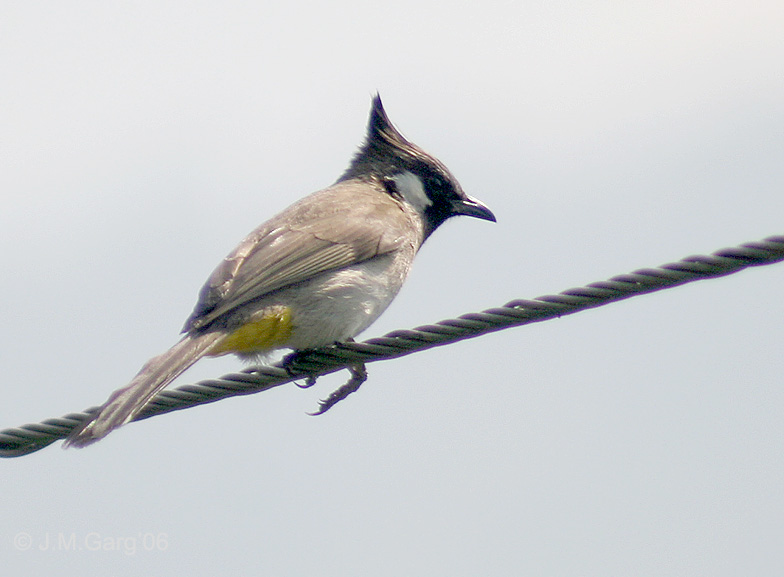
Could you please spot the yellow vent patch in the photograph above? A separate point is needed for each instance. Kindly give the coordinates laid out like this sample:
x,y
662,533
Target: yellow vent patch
x,y
272,330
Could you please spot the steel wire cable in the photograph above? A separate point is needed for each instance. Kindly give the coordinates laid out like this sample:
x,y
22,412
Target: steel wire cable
x,y
29,438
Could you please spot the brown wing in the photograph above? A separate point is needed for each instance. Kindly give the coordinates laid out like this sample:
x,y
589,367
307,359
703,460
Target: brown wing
x,y
328,230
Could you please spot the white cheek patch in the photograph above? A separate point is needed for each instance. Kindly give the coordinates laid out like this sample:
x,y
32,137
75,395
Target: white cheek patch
x,y
410,187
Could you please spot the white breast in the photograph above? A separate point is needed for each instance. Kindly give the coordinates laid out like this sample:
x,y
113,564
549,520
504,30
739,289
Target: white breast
x,y
341,304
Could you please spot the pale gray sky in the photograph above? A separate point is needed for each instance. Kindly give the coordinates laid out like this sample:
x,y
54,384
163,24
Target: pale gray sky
x,y
141,141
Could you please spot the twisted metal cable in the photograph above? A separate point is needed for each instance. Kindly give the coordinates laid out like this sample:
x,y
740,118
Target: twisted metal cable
x,y
26,439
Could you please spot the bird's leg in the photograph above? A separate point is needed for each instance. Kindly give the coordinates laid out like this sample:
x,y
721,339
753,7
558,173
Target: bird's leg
x,y
358,376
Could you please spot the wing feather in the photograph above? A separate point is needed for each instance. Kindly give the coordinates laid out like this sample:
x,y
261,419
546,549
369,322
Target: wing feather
x,y
331,229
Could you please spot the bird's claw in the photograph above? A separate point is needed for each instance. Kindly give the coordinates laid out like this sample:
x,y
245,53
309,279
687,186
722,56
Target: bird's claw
x,y
358,376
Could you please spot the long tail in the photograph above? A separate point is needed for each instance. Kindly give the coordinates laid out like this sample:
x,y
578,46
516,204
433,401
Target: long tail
x,y
125,403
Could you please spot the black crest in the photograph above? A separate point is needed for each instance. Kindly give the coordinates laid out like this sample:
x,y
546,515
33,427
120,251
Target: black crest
x,y
386,151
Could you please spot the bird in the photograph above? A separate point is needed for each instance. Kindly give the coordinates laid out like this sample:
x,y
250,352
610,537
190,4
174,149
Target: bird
x,y
318,273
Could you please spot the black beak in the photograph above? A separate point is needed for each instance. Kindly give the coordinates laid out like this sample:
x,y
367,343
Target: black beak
x,y
472,207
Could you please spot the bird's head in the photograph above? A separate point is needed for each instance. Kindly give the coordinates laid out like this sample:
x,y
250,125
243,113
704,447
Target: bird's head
x,y
410,174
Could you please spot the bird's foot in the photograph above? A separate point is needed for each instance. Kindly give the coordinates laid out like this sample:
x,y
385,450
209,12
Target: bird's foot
x,y
288,364
358,376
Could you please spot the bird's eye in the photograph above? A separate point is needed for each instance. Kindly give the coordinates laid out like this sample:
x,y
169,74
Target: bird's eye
x,y
435,184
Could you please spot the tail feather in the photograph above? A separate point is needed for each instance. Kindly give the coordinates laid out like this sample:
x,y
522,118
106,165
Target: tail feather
x,y
125,403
